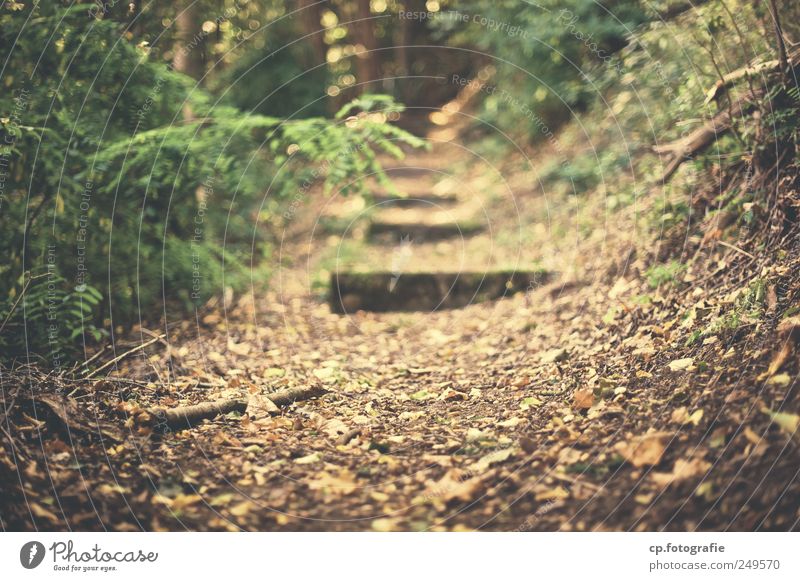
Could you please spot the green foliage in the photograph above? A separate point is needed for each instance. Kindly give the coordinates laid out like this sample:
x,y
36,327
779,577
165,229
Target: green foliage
x,y
747,308
662,274
53,317
134,190
586,172
542,53
279,77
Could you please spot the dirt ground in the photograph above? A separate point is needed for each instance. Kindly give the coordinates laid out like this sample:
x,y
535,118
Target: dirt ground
x,y
593,402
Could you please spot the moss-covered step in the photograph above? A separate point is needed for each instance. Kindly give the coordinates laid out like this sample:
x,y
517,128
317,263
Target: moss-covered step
x,y
425,291
414,200
391,231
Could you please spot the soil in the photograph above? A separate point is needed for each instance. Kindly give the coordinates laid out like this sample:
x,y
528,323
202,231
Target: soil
x,y
592,402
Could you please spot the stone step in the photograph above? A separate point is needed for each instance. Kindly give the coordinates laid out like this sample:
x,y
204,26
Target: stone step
x,y
412,171
415,200
393,231
425,291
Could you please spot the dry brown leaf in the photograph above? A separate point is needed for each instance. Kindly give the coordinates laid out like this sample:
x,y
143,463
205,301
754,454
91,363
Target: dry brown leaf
x,y
557,493
455,485
683,470
645,450
583,398
341,484
681,364
334,428
243,508
260,406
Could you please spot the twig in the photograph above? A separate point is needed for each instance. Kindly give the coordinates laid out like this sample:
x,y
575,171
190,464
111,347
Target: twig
x,y
736,248
95,356
347,436
19,298
123,356
779,34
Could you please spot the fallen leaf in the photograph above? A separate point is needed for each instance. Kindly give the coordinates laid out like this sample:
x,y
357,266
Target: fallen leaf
x,y
781,380
455,485
41,512
492,458
788,423
260,407
221,499
583,398
385,525
343,483
530,402
510,423
645,450
554,355
683,470
310,459
476,435
681,416
681,364
334,428
557,493
242,508
450,394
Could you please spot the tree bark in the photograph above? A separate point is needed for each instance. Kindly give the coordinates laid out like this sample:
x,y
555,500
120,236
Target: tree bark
x,y
367,64
311,14
188,50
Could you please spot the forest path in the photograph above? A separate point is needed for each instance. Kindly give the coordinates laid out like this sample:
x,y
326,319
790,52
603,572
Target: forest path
x,y
428,419
564,407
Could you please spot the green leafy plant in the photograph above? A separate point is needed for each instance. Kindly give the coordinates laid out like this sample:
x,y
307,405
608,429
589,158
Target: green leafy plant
x,y
127,181
663,274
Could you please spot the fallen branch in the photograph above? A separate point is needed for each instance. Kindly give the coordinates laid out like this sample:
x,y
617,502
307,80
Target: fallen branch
x,y
678,9
731,78
186,416
124,355
287,397
698,140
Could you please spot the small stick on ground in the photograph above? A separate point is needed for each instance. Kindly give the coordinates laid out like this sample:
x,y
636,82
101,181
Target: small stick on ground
x,y
186,416
345,438
289,396
124,355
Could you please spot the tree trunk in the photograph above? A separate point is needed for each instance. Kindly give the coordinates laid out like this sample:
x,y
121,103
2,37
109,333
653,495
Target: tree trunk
x,y
311,14
408,35
367,64
188,49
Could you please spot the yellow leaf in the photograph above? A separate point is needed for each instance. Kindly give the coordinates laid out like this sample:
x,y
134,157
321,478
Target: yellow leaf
x,y
384,525
557,493
788,423
681,364
242,508
683,470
